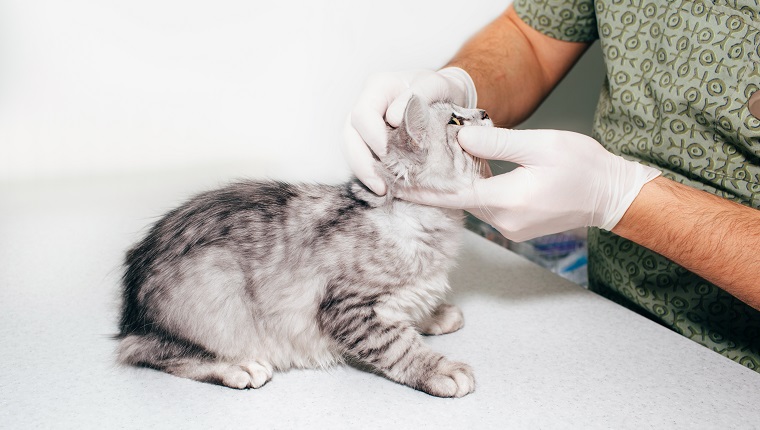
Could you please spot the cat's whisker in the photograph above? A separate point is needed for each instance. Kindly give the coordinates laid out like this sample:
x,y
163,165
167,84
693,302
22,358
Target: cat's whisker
x,y
477,174
483,207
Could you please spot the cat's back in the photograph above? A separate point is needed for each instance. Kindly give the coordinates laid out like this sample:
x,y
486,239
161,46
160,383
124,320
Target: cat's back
x,y
246,233
230,214
258,221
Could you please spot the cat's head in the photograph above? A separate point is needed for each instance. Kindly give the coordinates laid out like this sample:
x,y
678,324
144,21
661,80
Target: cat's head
x,y
423,151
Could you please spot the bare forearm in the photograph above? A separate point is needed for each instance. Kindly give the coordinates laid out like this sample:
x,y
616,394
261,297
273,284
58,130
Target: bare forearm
x,y
715,238
514,67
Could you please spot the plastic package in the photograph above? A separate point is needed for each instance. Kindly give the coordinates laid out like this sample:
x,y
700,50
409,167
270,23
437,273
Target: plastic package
x,y
565,254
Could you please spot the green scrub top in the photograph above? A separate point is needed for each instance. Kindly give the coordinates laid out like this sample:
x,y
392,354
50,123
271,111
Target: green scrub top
x,y
679,76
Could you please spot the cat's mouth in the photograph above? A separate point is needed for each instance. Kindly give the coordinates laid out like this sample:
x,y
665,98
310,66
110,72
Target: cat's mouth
x,y
484,120
480,168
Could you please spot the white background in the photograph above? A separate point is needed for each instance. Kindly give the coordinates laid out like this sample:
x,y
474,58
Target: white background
x,y
97,87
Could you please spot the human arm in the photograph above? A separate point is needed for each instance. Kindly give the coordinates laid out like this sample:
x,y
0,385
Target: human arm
x,y
715,238
513,67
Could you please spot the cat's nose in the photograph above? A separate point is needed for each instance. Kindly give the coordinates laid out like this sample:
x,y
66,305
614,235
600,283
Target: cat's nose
x,y
483,115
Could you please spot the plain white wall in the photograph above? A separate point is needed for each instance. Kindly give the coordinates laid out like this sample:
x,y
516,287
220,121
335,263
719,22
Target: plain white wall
x,y
96,87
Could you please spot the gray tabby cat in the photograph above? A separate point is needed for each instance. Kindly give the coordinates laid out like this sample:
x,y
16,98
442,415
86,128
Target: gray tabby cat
x,y
262,275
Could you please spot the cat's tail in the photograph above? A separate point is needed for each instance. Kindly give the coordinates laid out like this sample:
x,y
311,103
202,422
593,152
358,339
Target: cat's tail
x,y
158,352
186,360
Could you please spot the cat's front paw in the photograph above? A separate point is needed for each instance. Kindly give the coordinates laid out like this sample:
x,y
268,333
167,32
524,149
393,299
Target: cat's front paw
x,y
450,379
446,319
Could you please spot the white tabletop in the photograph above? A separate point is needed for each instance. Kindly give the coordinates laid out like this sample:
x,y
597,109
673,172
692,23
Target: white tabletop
x,y
547,353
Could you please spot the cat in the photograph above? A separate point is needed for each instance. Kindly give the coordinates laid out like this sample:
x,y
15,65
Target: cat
x,y
263,275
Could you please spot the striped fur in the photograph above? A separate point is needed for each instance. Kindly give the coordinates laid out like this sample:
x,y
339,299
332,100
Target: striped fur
x,y
261,276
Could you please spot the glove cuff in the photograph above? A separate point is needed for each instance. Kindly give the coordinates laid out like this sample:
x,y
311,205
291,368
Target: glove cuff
x,y
635,176
463,78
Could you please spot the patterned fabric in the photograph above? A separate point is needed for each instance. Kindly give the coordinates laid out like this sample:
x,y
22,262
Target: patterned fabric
x,y
679,75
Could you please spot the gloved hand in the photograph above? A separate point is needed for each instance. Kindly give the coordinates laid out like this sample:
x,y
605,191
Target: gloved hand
x,y
565,180
384,99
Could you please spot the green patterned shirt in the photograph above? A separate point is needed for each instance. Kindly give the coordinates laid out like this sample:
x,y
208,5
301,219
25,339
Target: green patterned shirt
x,y
679,76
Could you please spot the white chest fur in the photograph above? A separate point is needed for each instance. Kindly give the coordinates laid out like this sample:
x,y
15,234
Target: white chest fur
x,y
426,240
419,229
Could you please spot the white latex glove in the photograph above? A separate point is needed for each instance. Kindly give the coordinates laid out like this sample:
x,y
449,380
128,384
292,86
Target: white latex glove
x,y
384,99
565,180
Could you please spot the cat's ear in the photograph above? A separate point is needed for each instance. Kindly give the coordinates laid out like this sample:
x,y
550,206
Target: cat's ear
x,y
417,119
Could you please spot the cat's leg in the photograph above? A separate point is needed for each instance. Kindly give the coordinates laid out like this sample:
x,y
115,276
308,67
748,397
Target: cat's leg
x,y
191,361
393,347
240,376
445,319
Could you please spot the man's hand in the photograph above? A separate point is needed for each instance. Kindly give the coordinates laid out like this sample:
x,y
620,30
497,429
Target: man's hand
x,y
384,99
565,180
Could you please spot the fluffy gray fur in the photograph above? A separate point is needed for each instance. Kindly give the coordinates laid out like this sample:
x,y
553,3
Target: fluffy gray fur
x,y
261,275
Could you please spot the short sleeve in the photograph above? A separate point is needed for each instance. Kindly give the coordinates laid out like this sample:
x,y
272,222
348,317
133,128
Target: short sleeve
x,y
568,20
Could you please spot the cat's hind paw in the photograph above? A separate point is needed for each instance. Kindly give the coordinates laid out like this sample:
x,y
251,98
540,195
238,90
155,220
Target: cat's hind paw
x,y
253,374
451,379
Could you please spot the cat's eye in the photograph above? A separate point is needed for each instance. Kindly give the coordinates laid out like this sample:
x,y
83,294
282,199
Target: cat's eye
x,y
455,120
